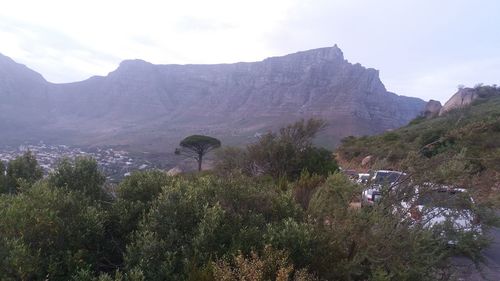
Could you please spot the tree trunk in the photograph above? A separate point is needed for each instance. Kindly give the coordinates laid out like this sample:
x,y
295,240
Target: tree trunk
x,y
200,157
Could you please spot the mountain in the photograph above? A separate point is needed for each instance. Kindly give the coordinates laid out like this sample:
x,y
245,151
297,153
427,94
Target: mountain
x,y
149,107
24,100
459,146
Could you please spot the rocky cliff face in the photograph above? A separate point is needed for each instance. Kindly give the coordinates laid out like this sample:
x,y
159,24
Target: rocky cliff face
x,y
432,109
461,99
151,106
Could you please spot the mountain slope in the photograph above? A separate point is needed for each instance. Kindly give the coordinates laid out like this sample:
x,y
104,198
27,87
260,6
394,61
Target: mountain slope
x,y
461,146
151,106
24,100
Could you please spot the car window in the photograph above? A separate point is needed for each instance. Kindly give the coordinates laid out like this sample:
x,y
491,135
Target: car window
x,y
386,177
445,199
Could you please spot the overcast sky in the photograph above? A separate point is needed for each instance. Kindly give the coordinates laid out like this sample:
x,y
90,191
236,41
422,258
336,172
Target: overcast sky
x,y
423,48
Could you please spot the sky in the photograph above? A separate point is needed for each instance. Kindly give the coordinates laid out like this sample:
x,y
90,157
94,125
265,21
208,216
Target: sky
x,y
423,48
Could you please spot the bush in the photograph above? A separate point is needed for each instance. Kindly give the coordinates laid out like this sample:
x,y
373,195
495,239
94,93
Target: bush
x,y
281,155
81,175
22,171
195,220
47,233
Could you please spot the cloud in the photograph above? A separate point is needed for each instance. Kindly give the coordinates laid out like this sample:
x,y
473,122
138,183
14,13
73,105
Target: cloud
x,y
421,48
441,83
58,56
94,36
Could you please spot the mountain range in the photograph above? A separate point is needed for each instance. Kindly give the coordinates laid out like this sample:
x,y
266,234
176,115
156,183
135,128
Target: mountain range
x,y
148,107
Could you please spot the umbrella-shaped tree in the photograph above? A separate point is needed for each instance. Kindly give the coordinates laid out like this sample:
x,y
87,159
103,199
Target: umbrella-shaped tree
x,y
196,146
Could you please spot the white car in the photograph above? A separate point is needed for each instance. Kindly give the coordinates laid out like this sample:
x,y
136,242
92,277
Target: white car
x,y
445,209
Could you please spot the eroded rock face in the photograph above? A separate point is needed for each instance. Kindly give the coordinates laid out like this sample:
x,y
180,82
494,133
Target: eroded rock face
x,y
432,108
461,99
154,106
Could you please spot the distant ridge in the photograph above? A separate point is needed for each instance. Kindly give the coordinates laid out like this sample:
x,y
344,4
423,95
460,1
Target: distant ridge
x,y
149,107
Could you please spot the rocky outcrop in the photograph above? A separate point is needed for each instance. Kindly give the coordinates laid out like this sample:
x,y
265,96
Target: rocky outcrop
x,y
174,172
367,161
432,109
154,106
461,99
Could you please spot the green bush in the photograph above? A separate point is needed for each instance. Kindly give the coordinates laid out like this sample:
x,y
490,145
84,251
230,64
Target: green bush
x,y
280,155
47,233
81,175
22,171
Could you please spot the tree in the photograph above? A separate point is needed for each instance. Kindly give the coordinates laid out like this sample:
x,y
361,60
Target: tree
x,y
81,174
25,169
48,233
284,154
196,146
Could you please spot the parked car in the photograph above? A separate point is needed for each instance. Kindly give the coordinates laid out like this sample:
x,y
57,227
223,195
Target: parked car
x,y
363,178
380,178
447,210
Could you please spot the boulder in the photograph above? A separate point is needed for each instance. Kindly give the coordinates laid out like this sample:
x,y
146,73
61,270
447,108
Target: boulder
x,y
366,161
432,108
174,171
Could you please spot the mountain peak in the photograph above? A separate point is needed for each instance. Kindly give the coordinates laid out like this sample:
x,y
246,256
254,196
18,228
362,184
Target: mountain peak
x,y
134,62
333,53
327,53
133,66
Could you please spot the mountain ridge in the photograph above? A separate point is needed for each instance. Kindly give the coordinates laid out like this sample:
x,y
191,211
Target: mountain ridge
x,y
146,105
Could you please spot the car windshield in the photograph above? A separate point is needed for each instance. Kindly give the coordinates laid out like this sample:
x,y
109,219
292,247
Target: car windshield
x,y
386,177
450,199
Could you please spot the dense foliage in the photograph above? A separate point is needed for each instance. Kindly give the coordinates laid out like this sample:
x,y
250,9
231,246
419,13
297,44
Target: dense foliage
x,y
21,172
284,154
208,228
290,223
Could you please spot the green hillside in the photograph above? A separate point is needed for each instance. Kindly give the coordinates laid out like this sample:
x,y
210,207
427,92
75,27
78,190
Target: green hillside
x,y
461,147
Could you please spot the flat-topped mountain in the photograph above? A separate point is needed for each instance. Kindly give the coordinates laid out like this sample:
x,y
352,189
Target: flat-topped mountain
x,y
150,107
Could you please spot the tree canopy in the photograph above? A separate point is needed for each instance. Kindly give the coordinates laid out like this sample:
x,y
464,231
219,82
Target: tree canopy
x,y
285,153
80,174
23,170
196,146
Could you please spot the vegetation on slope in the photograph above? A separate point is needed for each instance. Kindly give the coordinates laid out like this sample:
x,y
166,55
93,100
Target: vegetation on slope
x,y
461,147
224,225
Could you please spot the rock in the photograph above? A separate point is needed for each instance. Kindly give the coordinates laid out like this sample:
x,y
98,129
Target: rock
x,y
174,171
432,109
461,99
366,161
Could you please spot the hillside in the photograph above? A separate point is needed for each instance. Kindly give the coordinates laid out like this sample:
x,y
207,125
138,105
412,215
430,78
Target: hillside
x,y
145,106
460,146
